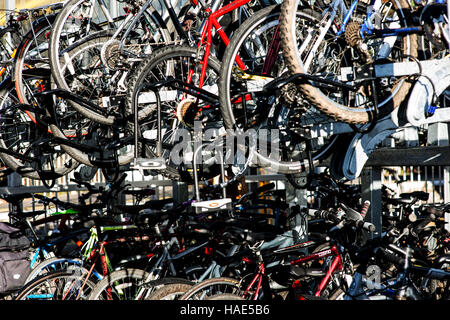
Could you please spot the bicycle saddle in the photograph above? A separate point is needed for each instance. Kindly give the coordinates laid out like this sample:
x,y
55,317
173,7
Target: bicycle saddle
x,y
140,192
15,198
151,204
420,195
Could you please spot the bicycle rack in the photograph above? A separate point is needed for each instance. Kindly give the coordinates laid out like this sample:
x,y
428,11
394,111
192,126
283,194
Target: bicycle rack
x,y
209,205
159,162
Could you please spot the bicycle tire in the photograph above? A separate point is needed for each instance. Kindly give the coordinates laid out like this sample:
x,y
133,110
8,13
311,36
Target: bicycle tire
x,y
225,296
35,39
18,132
119,284
169,291
55,264
49,286
176,61
198,291
10,39
87,50
67,19
334,109
260,25
80,121
260,22
60,55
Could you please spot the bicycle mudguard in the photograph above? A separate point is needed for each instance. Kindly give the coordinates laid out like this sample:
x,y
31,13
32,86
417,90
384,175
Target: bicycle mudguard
x,y
362,145
431,84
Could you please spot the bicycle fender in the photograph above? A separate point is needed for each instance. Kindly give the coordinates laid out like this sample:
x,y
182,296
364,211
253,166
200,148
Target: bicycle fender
x,y
363,144
433,82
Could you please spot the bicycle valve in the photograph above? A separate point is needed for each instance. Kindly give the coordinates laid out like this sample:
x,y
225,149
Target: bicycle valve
x,y
365,208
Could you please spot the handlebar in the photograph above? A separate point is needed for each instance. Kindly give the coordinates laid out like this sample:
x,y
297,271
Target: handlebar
x,y
365,225
323,214
69,205
334,218
54,200
115,186
421,226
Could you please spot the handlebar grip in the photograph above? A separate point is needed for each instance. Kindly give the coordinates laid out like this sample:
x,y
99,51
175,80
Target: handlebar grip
x,y
399,261
365,225
311,212
331,217
322,214
365,208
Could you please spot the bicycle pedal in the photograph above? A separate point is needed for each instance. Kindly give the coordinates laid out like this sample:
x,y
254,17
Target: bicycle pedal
x,y
212,205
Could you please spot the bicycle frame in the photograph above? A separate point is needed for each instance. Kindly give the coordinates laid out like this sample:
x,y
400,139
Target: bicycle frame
x,y
206,32
367,28
336,265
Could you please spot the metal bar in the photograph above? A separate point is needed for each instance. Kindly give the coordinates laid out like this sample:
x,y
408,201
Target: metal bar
x,y
428,156
392,69
371,190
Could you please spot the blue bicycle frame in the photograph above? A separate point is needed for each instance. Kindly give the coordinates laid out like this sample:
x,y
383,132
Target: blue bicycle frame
x,y
367,28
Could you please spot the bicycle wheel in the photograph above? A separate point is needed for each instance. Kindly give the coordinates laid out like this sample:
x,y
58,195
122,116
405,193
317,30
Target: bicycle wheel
x,y
211,287
76,20
179,110
82,73
90,67
257,44
148,33
59,285
59,264
123,284
31,64
225,296
252,42
10,39
171,291
25,137
322,52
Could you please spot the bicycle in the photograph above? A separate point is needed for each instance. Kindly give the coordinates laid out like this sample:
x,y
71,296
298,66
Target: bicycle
x,y
337,103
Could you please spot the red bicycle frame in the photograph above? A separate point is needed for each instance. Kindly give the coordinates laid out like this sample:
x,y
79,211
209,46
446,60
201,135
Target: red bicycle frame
x,y
207,33
335,265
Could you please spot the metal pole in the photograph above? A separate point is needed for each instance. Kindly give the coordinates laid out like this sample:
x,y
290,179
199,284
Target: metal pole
x,y
371,190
